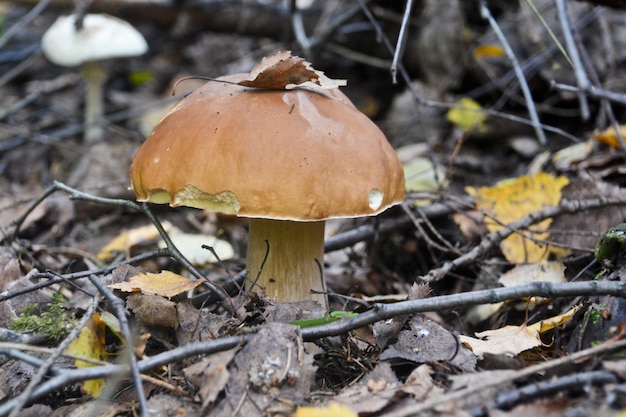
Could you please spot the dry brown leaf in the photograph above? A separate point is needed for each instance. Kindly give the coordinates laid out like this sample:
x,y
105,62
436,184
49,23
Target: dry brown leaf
x,y
165,283
511,340
153,311
547,271
283,71
210,375
507,340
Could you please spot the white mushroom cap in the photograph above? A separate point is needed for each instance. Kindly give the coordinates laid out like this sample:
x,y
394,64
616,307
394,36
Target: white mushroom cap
x,y
101,37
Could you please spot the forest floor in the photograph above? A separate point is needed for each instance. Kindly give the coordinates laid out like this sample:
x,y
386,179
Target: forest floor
x,y
496,288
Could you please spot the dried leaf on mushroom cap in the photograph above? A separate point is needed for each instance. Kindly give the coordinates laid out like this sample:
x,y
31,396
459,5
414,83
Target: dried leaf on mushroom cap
x,y
283,71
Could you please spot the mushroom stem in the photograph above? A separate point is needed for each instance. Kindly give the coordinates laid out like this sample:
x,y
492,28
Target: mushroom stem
x,y
294,264
95,77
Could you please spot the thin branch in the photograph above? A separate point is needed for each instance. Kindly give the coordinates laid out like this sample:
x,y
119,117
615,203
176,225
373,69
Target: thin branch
x,y
142,208
493,239
399,50
530,104
595,79
54,278
436,104
592,91
453,301
543,389
539,369
119,306
379,312
23,22
572,49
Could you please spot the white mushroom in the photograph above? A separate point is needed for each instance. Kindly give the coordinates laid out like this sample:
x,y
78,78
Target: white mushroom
x,y
100,37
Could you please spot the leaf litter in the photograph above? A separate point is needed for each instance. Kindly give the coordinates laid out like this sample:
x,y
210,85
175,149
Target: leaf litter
x,y
402,361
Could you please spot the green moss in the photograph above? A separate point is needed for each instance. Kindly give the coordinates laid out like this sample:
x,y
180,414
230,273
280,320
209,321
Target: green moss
x,y
596,316
54,322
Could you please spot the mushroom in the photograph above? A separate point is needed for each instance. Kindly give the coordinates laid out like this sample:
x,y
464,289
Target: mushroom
x,y
286,159
100,37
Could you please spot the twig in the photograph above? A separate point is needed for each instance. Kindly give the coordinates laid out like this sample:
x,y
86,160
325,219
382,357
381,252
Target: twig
x,y
530,104
572,48
77,375
54,278
436,104
142,208
23,22
592,91
448,302
606,106
367,231
491,240
508,378
544,389
379,312
297,23
399,50
120,311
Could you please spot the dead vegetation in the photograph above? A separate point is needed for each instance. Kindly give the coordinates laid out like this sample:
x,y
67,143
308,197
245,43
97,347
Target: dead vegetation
x,y
474,296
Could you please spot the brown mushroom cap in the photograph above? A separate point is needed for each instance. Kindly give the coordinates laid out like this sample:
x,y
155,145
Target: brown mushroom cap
x,y
279,154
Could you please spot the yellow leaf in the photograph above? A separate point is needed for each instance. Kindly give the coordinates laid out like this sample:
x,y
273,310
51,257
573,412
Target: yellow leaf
x,y
166,284
468,116
131,238
509,201
488,51
609,136
90,344
332,410
556,321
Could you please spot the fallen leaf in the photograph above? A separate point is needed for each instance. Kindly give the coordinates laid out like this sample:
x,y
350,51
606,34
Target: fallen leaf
x,y
609,136
283,71
192,247
421,175
153,312
426,341
488,51
420,383
331,410
165,283
511,340
269,371
373,393
468,115
568,157
555,321
509,201
90,344
553,271
129,239
210,375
